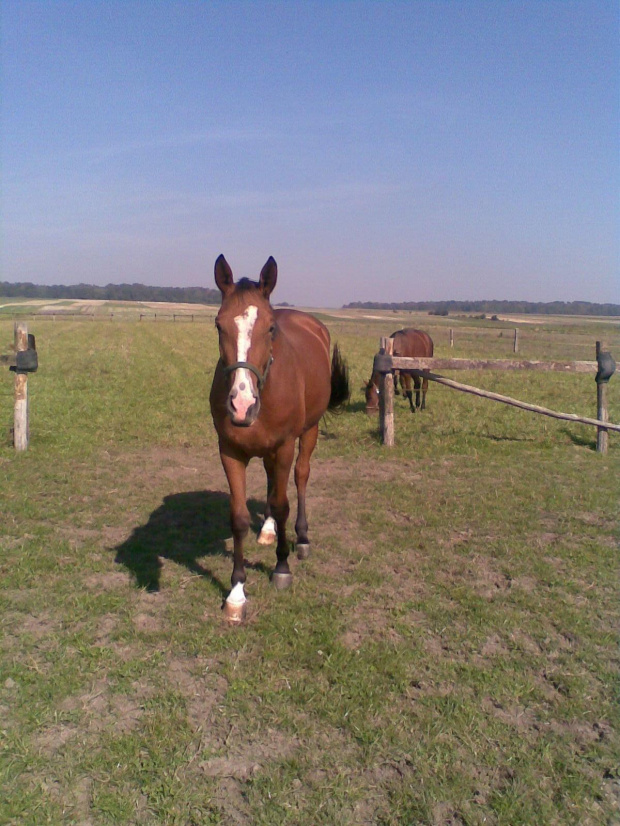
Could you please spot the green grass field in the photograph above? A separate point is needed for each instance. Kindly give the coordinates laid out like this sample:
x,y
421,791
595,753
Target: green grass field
x,y
448,655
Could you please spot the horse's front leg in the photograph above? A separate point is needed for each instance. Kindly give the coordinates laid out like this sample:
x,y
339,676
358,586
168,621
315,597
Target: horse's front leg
x,y
278,471
267,533
307,443
234,467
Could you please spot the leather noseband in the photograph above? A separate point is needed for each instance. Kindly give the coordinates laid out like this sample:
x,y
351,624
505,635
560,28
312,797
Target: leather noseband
x,y
261,377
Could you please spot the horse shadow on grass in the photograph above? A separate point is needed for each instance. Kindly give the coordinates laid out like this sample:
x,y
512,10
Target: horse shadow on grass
x,y
187,528
356,407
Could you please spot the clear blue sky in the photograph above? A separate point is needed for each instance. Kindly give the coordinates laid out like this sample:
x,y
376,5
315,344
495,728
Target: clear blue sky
x,y
393,151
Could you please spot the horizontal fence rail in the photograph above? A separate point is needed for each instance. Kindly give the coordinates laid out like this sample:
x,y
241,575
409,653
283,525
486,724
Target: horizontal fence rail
x,y
420,364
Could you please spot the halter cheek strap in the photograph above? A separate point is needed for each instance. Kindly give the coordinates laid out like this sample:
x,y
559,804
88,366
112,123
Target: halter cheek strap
x,y
261,377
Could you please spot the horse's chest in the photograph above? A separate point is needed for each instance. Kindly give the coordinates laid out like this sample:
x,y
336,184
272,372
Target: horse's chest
x,y
255,440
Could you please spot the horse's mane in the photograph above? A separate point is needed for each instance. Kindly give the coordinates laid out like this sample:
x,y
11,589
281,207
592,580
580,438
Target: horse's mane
x,y
245,285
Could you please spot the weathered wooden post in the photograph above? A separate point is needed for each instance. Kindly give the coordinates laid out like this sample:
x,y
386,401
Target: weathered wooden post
x,y
606,368
386,397
20,418
451,337
515,346
22,361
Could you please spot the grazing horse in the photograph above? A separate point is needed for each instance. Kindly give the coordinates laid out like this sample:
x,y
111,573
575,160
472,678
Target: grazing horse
x,y
272,384
408,343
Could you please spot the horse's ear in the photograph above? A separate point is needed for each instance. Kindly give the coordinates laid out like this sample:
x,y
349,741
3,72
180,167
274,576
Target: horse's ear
x,y
223,275
268,277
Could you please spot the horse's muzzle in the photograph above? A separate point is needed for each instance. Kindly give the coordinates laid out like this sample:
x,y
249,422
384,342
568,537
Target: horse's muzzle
x,y
242,418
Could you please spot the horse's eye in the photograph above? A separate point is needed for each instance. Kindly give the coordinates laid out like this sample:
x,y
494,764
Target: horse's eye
x,y
272,329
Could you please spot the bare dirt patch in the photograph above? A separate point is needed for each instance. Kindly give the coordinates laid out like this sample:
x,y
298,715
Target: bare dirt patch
x,y
49,741
203,687
106,581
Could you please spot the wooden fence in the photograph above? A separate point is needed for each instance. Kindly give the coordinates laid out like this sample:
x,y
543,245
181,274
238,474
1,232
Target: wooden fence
x,y
385,363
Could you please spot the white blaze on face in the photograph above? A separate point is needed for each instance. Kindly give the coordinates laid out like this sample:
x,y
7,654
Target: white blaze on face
x,y
241,391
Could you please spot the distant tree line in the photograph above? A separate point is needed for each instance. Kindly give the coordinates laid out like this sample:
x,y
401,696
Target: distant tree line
x,y
204,295
493,307
113,292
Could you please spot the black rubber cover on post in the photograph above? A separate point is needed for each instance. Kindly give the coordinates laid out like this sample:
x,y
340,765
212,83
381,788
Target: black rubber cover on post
x,y
606,367
382,363
26,361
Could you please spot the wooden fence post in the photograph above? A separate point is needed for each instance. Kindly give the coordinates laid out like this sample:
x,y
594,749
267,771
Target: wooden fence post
x,y
515,346
451,337
606,367
386,398
20,418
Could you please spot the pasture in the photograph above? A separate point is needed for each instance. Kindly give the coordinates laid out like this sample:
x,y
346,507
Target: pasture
x,y
448,654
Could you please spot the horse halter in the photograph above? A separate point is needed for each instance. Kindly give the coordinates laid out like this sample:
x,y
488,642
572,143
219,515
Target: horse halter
x,y
261,377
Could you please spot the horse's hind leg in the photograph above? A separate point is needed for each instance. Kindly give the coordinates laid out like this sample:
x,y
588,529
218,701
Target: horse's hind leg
x,y
279,469
417,384
424,389
408,392
307,443
267,533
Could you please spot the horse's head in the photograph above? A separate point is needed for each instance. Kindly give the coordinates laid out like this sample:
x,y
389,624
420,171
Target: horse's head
x,y
371,391
245,325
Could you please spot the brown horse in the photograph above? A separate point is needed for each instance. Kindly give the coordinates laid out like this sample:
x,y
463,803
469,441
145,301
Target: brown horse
x,y
408,343
272,384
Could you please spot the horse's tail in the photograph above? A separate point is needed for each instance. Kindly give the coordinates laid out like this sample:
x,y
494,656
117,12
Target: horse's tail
x,y
341,389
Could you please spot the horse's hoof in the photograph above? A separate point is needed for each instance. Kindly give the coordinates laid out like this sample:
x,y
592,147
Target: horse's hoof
x,y
303,550
235,613
281,581
266,538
